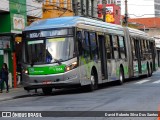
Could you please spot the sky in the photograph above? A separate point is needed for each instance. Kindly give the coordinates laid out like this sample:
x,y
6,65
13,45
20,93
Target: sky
x,y
138,8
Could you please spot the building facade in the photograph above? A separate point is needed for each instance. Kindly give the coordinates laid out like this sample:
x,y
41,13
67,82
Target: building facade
x,y
14,15
34,10
57,8
112,13
157,8
87,8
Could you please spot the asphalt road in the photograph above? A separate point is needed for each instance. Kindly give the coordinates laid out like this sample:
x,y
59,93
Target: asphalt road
x,y
134,95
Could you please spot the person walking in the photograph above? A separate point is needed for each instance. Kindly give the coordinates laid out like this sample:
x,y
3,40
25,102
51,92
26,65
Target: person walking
x,y
4,77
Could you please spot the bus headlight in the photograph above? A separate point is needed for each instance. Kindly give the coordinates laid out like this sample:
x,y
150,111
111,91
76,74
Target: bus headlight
x,y
25,71
71,66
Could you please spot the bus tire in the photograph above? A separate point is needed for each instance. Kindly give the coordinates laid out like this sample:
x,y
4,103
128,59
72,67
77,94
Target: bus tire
x,y
47,91
94,82
149,71
121,76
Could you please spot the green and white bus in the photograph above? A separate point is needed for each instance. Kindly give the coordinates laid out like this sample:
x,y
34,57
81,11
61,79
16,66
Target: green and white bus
x,y
77,51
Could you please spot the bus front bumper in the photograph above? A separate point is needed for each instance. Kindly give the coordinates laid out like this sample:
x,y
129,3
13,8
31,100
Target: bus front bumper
x,y
63,80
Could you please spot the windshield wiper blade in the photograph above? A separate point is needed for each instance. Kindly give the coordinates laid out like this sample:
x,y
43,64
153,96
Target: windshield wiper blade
x,y
32,63
58,61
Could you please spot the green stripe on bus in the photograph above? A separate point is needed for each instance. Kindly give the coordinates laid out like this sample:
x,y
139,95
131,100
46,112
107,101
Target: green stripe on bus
x,y
46,70
125,71
144,67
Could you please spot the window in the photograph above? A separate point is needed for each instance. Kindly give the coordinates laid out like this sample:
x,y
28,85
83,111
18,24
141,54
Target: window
x,y
65,3
86,39
108,46
115,46
133,48
93,45
122,48
141,47
83,44
80,42
57,3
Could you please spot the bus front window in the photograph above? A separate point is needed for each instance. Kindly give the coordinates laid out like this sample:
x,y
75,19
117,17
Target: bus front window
x,y
54,50
35,51
60,49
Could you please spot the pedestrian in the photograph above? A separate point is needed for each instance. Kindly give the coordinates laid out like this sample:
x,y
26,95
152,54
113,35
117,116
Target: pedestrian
x,y
4,77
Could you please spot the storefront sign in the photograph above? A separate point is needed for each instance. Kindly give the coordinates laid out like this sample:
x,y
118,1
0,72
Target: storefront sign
x,y
18,22
18,15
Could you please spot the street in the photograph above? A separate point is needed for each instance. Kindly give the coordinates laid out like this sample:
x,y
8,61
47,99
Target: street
x,y
140,94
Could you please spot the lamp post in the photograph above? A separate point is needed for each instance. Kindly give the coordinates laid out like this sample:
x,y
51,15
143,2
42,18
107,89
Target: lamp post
x,y
126,13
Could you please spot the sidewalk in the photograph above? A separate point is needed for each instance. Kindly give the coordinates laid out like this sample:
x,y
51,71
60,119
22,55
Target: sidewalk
x,y
15,93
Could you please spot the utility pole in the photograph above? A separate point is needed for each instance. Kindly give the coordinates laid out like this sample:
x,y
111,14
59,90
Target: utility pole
x,y
126,14
104,10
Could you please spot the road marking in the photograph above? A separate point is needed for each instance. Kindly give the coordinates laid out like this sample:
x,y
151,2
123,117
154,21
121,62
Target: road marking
x,y
142,81
158,81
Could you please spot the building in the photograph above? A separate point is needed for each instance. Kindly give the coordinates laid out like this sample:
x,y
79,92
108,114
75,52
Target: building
x,y
117,2
141,8
112,13
87,8
149,25
14,15
57,8
34,10
157,8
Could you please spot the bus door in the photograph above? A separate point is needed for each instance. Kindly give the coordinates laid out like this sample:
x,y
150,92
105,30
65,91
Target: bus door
x,y
84,53
102,48
138,52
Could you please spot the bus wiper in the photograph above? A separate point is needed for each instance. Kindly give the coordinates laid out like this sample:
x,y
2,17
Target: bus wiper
x,y
58,61
32,63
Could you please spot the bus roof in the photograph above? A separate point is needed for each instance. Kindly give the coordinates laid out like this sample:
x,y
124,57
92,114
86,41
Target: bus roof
x,y
137,32
65,22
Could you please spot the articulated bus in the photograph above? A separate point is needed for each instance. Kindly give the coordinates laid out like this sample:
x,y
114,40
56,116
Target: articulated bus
x,y
82,52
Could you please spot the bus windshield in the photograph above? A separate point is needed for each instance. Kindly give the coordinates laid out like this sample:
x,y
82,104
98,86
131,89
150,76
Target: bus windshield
x,y
51,50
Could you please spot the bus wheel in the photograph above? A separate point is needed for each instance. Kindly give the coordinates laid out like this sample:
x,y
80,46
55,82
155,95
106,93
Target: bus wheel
x,y
47,91
94,84
149,71
121,76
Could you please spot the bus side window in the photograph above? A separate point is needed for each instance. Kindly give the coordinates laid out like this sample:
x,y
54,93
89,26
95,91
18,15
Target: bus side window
x,y
142,48
80,41
93,45
87,45
134,45
115,46
108,46
122,47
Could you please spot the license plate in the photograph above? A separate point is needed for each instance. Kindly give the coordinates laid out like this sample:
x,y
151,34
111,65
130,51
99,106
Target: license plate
x,y
47,82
